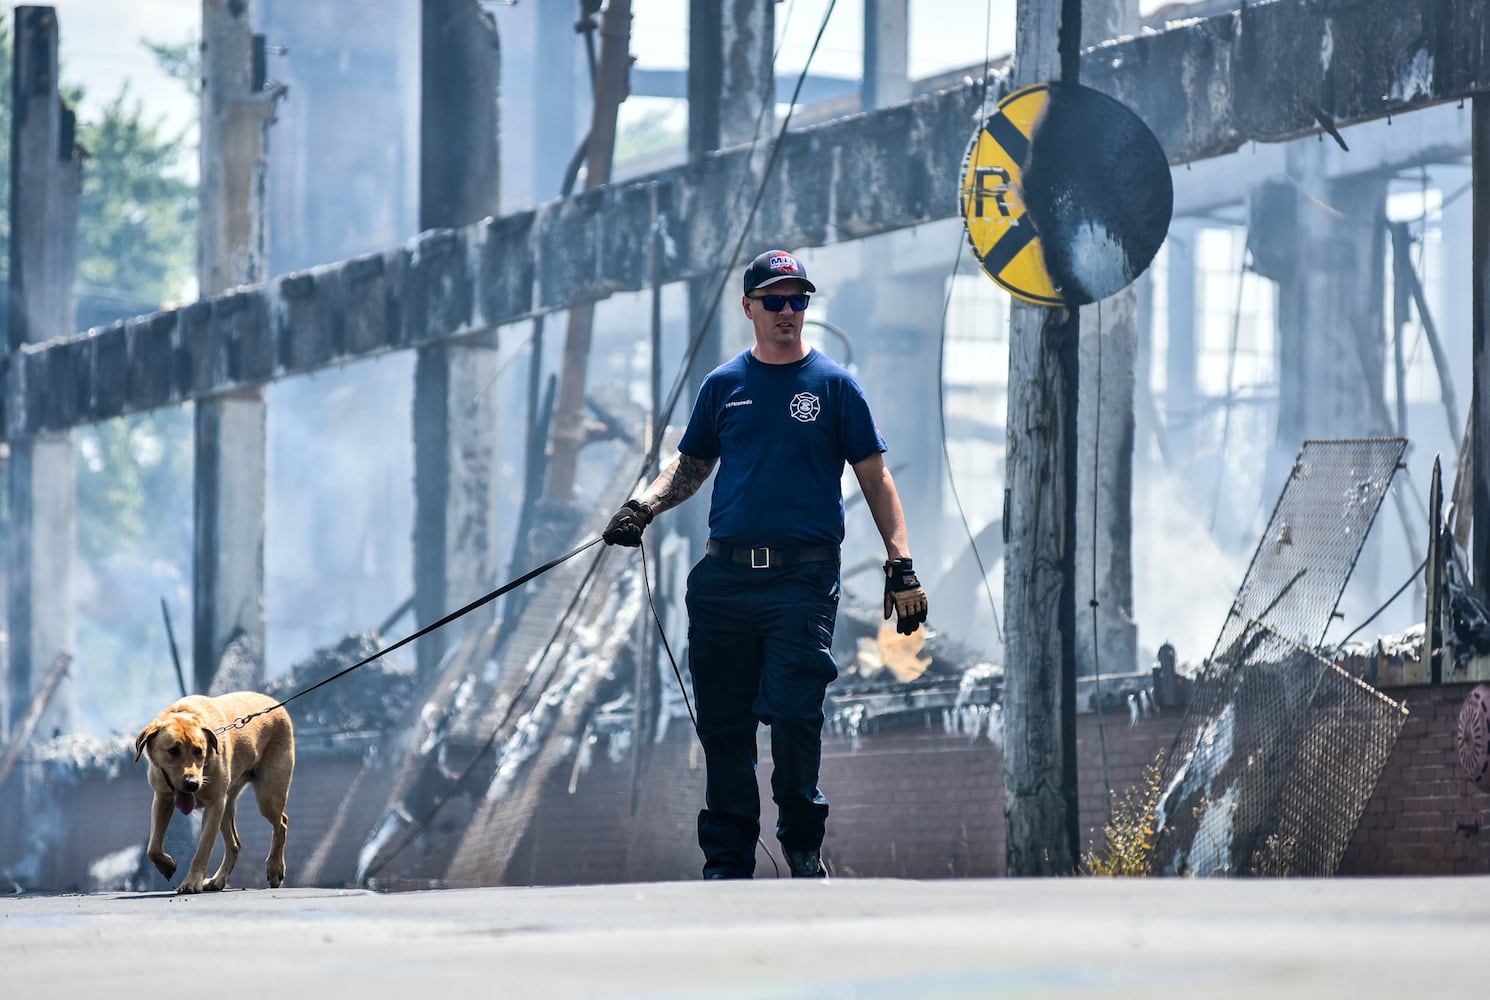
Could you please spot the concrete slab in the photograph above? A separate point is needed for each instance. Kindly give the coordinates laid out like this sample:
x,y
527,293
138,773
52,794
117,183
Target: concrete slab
x,y
846,938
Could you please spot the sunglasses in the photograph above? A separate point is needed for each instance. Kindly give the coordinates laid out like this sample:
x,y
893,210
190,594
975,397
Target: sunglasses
x,y
776,303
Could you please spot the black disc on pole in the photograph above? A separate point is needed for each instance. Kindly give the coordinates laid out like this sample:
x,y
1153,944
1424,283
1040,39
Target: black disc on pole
x,y
1098,190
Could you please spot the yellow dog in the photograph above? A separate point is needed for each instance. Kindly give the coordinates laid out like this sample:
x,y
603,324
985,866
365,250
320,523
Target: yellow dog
x,y
197,757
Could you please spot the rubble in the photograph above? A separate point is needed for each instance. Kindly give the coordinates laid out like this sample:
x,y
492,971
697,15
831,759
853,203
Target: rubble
x,y
370,701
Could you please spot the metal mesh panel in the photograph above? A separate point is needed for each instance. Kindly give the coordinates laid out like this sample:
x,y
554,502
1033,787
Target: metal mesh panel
x,y
1279,749
1311,544
1281,771
1343,745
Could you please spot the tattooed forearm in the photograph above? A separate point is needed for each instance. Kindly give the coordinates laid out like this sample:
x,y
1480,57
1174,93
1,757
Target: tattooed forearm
x,y
677,483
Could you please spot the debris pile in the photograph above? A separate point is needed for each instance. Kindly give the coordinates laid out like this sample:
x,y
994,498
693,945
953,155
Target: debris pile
x,y
886,679
368,702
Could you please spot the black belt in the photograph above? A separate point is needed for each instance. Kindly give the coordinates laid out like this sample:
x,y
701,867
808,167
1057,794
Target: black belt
x,y
764,557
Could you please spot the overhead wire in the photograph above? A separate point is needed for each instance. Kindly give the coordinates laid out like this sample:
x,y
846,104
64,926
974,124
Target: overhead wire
x,y
1228,400
691,354
565,621
1092,602
941,361
648,461
1386,604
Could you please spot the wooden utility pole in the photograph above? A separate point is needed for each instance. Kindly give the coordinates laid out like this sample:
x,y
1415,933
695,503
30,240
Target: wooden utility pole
x,y
455,395
228,564
46,171
1040,531
569,406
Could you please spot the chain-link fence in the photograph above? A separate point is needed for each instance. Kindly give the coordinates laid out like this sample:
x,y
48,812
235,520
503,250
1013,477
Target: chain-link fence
x,y
1280,750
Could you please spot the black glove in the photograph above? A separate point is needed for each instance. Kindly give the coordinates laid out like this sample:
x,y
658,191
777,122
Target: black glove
x,y
903,593
626,525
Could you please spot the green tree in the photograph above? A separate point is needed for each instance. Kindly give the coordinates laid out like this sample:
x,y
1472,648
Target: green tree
x,y
181,61
137,212
136,242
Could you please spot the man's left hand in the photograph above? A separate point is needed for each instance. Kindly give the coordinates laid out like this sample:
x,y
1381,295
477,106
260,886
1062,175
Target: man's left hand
x,y
627,524
904,595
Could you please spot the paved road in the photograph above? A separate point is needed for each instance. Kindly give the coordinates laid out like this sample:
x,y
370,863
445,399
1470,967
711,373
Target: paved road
x,y
848,939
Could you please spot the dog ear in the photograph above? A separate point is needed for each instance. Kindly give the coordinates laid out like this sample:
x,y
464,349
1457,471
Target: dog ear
x,y
211,740
144,737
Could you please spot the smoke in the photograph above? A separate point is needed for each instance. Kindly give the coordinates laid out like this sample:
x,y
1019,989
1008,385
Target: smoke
x,y
1183,581
339,506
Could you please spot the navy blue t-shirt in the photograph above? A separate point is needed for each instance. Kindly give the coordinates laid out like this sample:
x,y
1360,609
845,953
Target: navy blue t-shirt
x,y
782,434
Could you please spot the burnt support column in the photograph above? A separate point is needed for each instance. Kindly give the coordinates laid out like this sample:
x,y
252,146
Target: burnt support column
x,y
46,170
729,80
886,321
230,489
1331,326
569,424
1179,355
455,398
886,53
1106,628
1331,313
553,103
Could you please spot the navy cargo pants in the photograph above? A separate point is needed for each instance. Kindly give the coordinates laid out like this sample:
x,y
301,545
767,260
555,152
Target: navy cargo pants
x,y
759,649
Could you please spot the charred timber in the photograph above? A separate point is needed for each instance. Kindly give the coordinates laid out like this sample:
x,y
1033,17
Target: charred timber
x,y
1268,72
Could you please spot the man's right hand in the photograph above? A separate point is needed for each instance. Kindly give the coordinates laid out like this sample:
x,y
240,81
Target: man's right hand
x,y
904,596
627,524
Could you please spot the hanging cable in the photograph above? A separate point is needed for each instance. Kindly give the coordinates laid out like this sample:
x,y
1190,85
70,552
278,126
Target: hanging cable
x,y
691,354
1092,601
941,357
682,687
1405,584
649,459
941,393
243,720
1236,325
564,626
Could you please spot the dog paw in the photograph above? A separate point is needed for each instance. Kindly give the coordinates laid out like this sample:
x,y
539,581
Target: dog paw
x,y
190,887
165,864
214,885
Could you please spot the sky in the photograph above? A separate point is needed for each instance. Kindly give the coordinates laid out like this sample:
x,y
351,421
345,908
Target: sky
x,y
101,50
101,41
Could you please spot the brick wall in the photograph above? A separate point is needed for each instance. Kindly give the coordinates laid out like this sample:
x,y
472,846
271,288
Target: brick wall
x,y
918,802
908,802
69,822
1426,817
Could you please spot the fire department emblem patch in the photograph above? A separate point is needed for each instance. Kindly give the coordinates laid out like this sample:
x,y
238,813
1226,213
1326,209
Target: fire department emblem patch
x,y
805,407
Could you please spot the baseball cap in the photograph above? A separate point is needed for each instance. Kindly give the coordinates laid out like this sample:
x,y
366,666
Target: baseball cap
x,y
773,266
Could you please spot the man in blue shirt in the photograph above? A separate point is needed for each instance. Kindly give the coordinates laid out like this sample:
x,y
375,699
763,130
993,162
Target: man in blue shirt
x,y
781,420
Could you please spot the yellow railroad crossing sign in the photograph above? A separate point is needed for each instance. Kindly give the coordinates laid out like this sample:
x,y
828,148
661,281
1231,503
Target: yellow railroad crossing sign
x,y
993,211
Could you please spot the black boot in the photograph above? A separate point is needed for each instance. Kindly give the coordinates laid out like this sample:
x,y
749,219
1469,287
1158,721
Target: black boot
x,y
805,863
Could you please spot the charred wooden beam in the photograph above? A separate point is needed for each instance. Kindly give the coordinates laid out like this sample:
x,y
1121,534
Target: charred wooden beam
x,y
1205,87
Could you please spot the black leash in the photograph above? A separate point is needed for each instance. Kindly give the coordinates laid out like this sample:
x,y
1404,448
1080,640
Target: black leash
x,y
682,687
242,721
491,740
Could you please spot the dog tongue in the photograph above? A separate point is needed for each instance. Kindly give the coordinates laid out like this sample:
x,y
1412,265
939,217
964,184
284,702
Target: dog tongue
x,y
186,802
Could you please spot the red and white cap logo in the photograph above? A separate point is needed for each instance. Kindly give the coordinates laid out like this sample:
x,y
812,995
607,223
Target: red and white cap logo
x,y
783,262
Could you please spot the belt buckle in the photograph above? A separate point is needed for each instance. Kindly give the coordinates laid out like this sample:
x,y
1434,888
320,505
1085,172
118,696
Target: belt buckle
x,y
765,558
